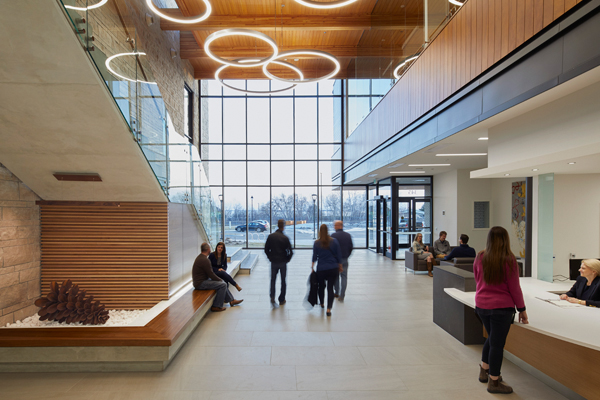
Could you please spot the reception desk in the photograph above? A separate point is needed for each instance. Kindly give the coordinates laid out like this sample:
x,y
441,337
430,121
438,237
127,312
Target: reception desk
x,y
562,343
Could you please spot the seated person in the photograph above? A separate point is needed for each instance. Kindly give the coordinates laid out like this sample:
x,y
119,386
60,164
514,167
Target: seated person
x,y
204,278
586,290
441,247
423,253
464,250
218,260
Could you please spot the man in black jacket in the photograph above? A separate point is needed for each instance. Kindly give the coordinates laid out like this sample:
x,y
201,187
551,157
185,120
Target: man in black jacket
x,y
279,251
346,245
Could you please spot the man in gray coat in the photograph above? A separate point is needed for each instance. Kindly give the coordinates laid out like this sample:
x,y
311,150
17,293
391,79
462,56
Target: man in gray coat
x,y
346,246
205,279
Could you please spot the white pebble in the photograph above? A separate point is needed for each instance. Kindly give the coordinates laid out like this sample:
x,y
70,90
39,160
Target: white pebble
x,y
117,318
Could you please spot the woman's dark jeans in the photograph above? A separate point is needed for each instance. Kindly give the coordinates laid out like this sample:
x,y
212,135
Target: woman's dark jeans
x,y
331,276
225,276
497,323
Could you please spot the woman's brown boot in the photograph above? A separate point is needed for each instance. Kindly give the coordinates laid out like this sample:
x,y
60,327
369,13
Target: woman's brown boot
x,y
498,386
429,269
483,374
239,289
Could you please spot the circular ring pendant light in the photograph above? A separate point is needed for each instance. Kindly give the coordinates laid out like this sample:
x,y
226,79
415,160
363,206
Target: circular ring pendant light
x,y
244,62
322,4
396,75
291,53
112,71
99,4
183,20
456,3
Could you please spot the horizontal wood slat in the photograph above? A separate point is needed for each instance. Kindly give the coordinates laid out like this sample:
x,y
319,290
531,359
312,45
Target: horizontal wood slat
x,y
118,252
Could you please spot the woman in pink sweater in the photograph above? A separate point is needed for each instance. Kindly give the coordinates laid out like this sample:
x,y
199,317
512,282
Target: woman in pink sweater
x,y
498,294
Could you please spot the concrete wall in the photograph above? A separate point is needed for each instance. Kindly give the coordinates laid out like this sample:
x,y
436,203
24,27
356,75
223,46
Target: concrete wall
x,y
19,249
576,219
445,206
470,191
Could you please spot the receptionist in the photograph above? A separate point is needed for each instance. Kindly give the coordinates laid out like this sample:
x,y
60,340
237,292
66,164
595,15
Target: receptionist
x,y
586,290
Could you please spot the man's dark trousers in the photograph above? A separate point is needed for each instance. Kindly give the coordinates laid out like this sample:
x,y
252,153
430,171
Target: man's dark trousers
x,y
277,267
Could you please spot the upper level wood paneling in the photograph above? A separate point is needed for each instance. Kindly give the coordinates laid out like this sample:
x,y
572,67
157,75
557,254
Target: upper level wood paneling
x,y
119,252
481,34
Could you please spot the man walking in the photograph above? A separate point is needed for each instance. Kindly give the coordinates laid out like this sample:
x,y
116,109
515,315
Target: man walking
x,y
346,245
279,251
205,279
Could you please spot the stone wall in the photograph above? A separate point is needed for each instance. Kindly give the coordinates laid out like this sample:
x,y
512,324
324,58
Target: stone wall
x,y
19,249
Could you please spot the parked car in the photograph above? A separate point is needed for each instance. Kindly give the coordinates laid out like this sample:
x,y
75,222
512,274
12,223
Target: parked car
x,y
403,226
253,226
262,222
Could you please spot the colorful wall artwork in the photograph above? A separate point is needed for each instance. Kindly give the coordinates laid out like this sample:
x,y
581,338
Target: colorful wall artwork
x,y
518,214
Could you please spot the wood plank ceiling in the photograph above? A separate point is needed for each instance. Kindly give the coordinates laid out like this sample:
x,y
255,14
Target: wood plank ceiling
x,y
369,37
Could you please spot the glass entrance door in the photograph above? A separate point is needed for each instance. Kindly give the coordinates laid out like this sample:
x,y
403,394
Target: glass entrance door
x,y
414,216
372,224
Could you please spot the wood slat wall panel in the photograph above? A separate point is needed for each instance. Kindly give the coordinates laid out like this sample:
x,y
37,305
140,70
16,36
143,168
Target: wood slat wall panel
x,y
480,35
118,252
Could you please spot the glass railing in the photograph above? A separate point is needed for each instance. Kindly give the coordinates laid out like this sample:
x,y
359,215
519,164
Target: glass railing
x,y
110,37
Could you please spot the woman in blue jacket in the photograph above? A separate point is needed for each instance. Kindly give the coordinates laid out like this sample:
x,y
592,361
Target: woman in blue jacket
x,y
218,260
328,256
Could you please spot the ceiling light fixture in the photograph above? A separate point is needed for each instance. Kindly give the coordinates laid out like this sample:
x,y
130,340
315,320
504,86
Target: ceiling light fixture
x,y
283,63
330,4
112,71
428,165
456,3
571,163
396,75
406,172
372,175
183,20
99,4
240,32
396,165
535,169
317,53
482,138
461,155
506,174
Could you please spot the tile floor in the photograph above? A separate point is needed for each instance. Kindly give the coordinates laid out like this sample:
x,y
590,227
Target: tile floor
x,y
380,343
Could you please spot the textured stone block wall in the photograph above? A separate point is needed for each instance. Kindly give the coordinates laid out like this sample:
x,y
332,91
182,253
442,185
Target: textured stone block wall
x,y
19,249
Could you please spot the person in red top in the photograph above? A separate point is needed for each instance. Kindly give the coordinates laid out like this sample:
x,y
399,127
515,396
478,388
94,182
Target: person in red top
x,y
498,293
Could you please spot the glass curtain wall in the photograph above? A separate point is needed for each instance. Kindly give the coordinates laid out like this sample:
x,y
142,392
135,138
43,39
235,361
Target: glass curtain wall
x,y
276,157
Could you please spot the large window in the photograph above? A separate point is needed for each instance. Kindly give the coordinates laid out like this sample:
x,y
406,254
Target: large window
x,y
276,157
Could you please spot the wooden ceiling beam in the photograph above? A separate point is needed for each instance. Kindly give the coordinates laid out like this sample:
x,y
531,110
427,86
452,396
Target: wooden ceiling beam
x,y
254,73
337,51
291,22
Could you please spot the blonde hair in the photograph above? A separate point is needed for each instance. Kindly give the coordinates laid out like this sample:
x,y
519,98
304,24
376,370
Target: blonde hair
x,y
592,264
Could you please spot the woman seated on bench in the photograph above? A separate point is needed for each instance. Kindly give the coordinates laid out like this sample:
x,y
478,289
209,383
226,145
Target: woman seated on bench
x,y
586,290
218,260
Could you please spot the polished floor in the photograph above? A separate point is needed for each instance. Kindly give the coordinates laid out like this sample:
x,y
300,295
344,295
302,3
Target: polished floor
x,y
380,343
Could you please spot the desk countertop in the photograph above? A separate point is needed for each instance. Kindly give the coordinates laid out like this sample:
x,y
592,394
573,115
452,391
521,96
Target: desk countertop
x,y
579,325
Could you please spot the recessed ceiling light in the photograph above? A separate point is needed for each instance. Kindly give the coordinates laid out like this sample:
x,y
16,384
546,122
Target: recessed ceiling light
x,y
535,169
461,155
571,163
428,165
406,172
482,138
372,175
506,174
396,165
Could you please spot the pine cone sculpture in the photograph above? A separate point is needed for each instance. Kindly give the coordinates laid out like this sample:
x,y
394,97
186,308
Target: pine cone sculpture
x,y
66,303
